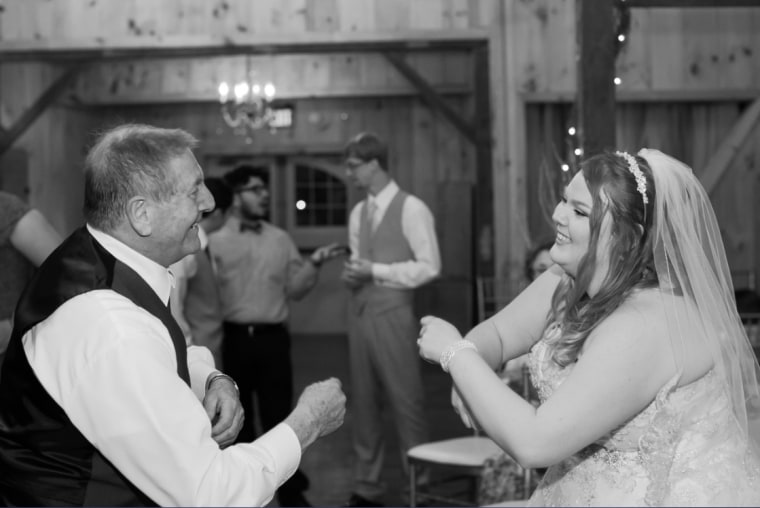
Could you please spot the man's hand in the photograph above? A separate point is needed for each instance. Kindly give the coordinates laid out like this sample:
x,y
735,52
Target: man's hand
x,y
222,405
320,411
359,270
325,253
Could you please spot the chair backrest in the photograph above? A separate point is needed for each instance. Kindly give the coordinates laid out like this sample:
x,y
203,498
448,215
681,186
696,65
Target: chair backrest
x,y
492,296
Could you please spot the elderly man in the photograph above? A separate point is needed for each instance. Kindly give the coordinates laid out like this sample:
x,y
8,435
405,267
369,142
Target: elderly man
x,y
101,402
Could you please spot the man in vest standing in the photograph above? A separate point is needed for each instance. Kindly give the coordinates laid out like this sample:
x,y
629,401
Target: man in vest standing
x,y
101,401
394,250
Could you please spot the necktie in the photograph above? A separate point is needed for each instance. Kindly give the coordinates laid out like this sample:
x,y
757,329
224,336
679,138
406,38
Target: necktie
x,y
371,211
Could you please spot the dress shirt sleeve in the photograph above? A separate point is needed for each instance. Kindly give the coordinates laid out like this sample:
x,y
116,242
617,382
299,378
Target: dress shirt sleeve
x,y
302,275
353,229
418,225
200,363
116,380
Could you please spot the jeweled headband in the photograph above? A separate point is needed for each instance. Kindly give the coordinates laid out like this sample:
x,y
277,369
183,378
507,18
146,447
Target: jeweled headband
x,y
633,167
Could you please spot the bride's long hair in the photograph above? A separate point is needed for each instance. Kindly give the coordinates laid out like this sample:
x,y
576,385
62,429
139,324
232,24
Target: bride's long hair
x,y
613,190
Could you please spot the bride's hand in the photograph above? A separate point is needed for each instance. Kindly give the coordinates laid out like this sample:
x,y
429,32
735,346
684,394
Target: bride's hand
x,y
461,409
435,336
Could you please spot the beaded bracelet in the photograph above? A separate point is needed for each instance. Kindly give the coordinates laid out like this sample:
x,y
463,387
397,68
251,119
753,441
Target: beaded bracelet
x,y
450,351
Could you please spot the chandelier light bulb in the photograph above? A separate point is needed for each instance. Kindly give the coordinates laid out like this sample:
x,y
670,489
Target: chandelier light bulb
x,y
256,89
621,37
617,81
241,90
224,92
565,168
269,91
578,152
571,131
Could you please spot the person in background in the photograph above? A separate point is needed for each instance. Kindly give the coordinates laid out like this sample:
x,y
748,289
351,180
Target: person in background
x,y
101,401
195,300
648,387
259,270
538,260
26,239
394,251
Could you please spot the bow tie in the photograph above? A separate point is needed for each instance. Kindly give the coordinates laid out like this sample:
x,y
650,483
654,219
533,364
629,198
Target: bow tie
x,y
251,226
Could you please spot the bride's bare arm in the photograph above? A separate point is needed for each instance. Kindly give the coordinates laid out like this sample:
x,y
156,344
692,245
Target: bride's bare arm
x,y
624,363
512,331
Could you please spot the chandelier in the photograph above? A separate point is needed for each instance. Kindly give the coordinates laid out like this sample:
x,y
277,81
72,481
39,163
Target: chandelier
x,y
249,106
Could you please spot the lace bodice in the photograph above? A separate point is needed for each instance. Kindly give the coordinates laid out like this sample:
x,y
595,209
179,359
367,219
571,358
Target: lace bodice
x,y
683,449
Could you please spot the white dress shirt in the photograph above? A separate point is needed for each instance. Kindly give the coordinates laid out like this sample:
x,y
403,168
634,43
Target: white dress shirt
x,y
418,226
112,367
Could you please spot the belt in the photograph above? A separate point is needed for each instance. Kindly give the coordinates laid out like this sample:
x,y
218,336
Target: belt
x,y
251,328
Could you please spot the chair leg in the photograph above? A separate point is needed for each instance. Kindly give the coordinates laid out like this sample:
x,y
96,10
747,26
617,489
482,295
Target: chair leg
x,y
412,484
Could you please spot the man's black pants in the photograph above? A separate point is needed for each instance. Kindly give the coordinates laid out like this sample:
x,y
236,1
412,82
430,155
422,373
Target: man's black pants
x,y
257,356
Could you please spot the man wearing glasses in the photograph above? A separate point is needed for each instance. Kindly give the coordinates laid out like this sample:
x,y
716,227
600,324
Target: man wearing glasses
x,y
259,270
394,250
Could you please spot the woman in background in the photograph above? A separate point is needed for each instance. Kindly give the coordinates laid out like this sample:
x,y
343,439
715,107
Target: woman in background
x,y
26,239
647,382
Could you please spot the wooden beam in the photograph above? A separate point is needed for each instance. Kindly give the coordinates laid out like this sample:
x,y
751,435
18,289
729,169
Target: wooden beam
x,y
737,136
430,97
692,3
237,44
680,95
136,98
596,71
35,110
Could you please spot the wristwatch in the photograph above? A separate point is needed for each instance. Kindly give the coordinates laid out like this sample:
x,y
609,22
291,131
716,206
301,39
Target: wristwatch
x,y
219,375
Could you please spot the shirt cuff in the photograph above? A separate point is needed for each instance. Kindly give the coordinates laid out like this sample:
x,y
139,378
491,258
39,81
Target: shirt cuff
x,y
380,271
200,364
284,443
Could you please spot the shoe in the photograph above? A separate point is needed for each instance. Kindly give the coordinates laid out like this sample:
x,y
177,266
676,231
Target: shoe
x,y
357,500
292,499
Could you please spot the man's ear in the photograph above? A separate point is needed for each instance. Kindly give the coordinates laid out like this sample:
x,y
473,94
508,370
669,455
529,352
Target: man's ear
x,y
139,213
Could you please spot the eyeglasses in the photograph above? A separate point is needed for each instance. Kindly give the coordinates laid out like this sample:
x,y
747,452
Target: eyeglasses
x,y
256,189
352,164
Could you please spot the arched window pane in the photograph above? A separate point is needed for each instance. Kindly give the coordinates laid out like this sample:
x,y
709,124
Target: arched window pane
x,y
320,198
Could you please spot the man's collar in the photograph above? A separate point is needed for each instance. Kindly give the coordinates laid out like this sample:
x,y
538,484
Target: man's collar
x,y
158,277
383,198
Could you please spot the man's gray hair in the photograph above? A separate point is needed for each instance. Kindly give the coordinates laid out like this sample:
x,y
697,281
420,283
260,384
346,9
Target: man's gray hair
x,y
127,161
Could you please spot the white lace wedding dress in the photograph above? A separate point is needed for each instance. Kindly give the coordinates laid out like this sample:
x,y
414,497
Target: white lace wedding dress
x,y
684,449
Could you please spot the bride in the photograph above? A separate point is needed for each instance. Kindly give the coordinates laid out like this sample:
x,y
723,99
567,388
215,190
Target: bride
x,y
648,384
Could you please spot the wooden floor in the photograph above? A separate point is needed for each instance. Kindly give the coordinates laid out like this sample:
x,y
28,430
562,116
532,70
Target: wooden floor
x,y
329,461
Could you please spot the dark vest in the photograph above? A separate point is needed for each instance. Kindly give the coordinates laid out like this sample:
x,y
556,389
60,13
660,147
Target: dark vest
x,y
44,459
387,244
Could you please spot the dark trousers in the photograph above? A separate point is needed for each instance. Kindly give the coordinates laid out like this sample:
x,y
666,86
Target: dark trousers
x,y
257,356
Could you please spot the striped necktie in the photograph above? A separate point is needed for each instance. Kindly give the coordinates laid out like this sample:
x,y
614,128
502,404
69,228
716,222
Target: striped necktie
x,y
371,211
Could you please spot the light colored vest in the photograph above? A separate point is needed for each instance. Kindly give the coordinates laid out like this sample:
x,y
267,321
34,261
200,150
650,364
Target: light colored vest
x,y
386,245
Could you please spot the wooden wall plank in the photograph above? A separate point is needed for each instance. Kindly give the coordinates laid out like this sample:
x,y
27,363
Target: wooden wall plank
x,y
736,30
633,63
357,15
559,33
392,15
322,15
